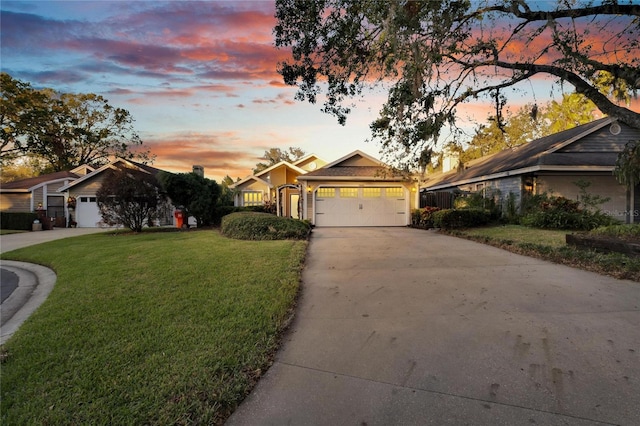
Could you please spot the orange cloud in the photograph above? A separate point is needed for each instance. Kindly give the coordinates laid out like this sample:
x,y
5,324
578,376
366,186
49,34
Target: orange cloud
x,y
180,151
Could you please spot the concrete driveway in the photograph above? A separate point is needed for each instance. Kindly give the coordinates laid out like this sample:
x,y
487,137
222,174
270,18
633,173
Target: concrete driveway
x,y
25,239
403,326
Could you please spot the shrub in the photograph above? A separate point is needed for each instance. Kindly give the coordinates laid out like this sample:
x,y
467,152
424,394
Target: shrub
x,y
619,231
263,226
562,213
475,201
222,211
17,221
510,214
467,218
423,218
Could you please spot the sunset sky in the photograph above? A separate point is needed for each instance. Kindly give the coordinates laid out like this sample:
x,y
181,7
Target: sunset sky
x,y
198,77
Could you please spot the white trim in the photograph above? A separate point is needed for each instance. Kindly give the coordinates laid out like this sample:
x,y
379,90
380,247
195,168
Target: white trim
x,y
353,154
247,179
305,158
281,163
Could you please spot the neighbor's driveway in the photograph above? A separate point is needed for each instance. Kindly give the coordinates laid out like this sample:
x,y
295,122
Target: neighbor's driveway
x,y
402,326
25,239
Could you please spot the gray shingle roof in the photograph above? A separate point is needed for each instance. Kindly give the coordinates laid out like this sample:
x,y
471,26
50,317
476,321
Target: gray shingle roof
x,y
545,151
31,182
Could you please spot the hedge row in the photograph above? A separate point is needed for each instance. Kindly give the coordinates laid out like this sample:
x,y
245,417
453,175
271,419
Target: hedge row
x,y
263,226
222,211
17,221
467,218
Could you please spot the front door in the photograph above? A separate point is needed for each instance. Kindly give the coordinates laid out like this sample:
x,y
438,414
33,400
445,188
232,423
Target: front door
x,y
55,210
294,205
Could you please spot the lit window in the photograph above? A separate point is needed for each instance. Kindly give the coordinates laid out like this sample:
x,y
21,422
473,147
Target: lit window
x,y
372,192
326,192
348,192
394,192
252,198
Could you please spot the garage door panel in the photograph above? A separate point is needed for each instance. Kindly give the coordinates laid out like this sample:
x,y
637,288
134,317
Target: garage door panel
x,y
367,206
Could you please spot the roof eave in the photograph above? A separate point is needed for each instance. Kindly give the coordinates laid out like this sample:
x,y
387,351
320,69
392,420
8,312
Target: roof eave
x,y
548,168
352,178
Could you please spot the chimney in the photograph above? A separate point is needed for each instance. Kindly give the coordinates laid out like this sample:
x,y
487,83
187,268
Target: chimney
x,y
199,170
450,160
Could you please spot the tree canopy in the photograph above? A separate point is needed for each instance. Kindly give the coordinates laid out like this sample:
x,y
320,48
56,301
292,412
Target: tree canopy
x,y
275,155
196,195
130,197
434,56
65,130
523,126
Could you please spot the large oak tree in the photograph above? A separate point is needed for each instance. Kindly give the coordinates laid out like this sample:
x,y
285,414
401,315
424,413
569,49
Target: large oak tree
x,y
64,129
435,55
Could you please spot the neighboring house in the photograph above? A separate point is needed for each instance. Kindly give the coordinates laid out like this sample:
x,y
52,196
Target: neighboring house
x,y
86,213
551,165
277,185
41,194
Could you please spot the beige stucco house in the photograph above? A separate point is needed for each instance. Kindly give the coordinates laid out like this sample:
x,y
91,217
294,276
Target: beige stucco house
x,y
278,185
355,190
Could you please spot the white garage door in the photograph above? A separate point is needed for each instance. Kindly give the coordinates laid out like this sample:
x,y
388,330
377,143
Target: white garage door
x,y
368,206
87,213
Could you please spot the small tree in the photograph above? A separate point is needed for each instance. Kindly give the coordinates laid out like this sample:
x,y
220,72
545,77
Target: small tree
x,y
196,195
627,169
130,197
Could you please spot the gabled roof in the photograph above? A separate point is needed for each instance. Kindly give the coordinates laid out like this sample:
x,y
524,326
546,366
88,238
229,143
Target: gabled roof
x,y
26,185
305,158
258,175
249,178
559,151
112,166
357,164
353,155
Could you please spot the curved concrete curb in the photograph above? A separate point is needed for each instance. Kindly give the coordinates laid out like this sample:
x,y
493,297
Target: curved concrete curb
x,y
35,284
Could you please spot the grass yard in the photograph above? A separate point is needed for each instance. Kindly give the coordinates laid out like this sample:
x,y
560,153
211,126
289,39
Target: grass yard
x,y
151,328
549,244
521,234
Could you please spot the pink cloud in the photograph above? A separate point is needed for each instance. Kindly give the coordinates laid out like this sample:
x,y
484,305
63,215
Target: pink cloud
x,y
179,152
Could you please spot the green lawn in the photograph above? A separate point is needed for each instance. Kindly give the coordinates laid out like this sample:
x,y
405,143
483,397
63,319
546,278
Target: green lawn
x,y
521,234
151,328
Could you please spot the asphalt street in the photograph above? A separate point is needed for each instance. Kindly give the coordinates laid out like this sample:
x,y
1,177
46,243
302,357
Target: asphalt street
x,y
25,286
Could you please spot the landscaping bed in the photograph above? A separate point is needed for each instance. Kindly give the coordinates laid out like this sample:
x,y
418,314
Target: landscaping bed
x,y
550,245
605,244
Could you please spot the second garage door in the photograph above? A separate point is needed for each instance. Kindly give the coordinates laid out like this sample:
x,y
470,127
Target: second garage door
x,y
361,206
